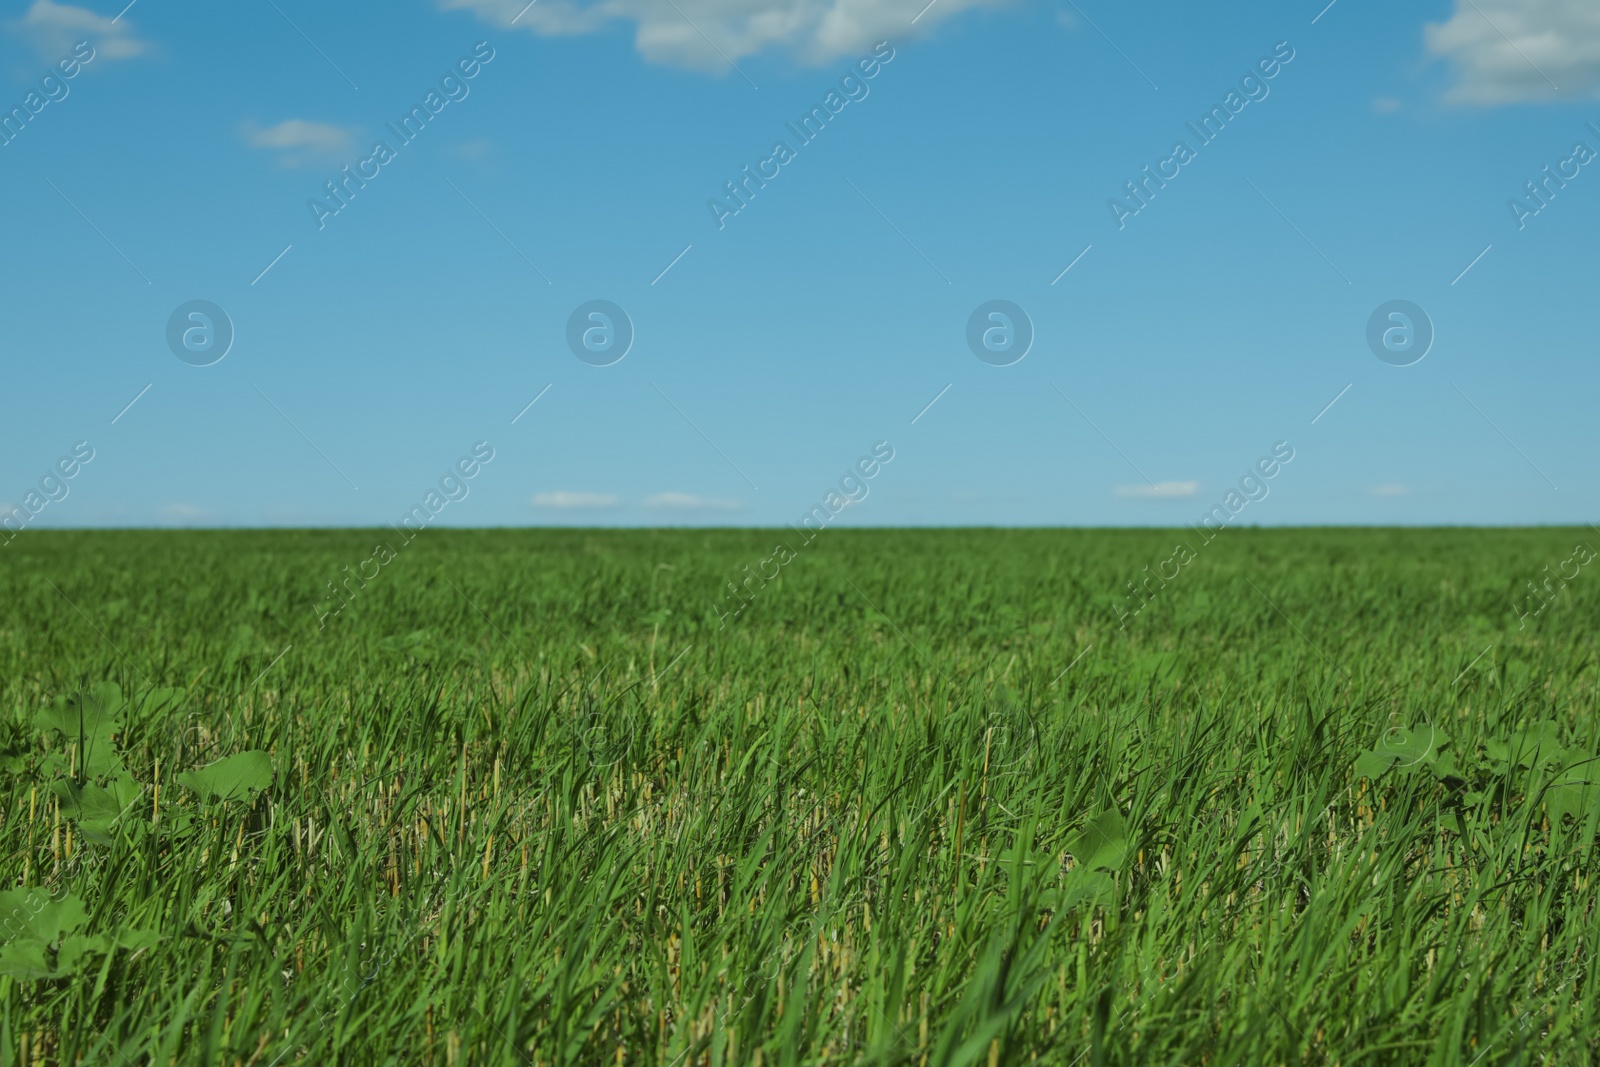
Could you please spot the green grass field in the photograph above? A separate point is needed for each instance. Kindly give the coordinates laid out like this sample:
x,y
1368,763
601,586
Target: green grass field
x,y
932,797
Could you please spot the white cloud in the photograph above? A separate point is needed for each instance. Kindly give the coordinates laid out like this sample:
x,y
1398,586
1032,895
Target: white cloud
x,y
55,28
688,502
1391,490
298,141
670,31
1160,490
572,501
1507,51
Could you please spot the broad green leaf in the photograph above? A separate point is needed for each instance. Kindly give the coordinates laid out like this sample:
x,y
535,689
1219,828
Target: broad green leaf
x,y
24,959
1373,764
98,808
96,711
1575,791
1103,843
31,914
231,778
33,923
91,719
1402,749
1527,748
75,952
1083,887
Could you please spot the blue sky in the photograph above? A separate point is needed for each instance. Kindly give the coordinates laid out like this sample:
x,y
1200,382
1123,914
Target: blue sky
x,y
375,346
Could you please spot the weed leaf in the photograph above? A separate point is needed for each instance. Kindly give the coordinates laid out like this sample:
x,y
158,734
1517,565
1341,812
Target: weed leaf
x,y
1526,748
92,718
1102,844
232,777
1402,749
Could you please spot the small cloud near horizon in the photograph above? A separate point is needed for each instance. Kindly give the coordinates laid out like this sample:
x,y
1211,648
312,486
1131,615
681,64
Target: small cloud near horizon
x,y
1158,490
567,500
688,502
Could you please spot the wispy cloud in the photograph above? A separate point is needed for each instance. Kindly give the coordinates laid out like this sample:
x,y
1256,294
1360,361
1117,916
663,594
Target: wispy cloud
x,y
574,501
688,502
711,35
55,28
298,141
1159,491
